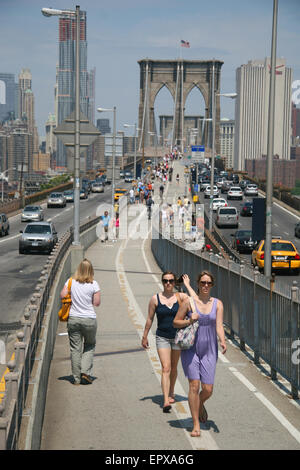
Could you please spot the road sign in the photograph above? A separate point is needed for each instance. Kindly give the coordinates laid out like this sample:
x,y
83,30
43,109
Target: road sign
x,y
198,153
66,134
198,148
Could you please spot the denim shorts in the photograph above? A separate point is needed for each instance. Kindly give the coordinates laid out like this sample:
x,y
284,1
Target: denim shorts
x,y
166,343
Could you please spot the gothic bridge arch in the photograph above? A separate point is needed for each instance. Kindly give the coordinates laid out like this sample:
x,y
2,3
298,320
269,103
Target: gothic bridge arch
x,y
179,77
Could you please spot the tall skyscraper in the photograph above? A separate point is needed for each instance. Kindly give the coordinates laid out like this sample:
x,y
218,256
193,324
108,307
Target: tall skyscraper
x,y
7,96
26,105
66,74
251,111
227,141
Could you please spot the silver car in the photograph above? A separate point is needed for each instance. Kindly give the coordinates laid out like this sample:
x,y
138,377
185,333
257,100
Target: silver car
x,y
207,191
56,200
251,190
32,213
97,188
69,195
227,216
38,236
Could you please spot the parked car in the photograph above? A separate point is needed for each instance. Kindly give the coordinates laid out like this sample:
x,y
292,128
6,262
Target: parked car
x,y
207,191
297,230
38,236
251,190
56,200
32,213
247,209
235,192
218,202
97,188
227,216
283,252
69,195
83,193
243,241
4,225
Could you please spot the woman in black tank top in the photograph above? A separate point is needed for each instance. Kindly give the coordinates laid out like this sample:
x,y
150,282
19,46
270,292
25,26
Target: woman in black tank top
x,y
165,305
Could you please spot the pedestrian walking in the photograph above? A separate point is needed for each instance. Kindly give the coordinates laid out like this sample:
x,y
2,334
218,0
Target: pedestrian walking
x,y
177,178
165,305
105,225
199,362
82,321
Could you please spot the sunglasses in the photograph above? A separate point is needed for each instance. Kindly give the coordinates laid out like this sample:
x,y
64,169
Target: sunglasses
x,y
171,281
205,283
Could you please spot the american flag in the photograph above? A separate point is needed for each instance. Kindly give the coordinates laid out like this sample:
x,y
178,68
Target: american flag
x,y
184,43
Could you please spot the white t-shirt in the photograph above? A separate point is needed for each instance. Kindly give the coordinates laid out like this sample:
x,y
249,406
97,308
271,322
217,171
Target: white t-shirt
x,y
82,298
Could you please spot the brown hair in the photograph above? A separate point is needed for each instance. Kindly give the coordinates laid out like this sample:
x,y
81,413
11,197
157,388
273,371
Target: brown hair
x,y
168,272
84,272
206,273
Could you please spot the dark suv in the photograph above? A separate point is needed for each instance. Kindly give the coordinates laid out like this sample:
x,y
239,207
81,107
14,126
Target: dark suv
x,y
4,225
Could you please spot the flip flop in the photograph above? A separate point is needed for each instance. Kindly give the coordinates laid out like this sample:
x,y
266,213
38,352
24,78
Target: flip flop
x,y
167,408
203,417
195,433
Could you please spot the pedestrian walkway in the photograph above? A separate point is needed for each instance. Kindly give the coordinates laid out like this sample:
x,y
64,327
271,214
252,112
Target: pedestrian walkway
x,y
122,409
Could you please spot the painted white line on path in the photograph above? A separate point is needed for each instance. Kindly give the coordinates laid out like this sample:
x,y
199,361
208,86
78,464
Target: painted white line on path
x,y
275,412
181,409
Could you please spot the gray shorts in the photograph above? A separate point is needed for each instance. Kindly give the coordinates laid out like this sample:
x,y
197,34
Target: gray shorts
x,y
166,343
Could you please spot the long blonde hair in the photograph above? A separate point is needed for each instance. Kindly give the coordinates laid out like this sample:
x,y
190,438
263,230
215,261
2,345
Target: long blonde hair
x,y
84,272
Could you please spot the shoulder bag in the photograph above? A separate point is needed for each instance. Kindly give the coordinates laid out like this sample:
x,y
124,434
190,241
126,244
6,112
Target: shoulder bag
x,y
185,337
66,302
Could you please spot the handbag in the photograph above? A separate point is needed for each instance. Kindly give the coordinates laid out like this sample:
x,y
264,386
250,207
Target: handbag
x,y
185,337
63,313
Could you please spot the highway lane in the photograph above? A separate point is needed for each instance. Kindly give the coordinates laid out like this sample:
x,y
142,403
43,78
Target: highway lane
x,y
283,223
19,273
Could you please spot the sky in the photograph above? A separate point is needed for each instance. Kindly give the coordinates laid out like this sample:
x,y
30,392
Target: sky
x,y
121,32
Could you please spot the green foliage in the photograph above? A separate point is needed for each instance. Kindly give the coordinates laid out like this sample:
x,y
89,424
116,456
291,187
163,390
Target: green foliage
x,y
296,189
56,181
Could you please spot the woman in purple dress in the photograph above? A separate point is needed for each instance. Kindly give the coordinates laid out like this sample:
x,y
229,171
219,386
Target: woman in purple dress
x,y
199,362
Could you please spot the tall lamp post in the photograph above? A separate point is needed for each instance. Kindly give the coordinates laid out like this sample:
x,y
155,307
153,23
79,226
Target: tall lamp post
x,y
135,129
212,169
103,110
270,148
76,13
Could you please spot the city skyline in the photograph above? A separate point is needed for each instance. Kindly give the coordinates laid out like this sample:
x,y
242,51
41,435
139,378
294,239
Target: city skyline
x,y
119,35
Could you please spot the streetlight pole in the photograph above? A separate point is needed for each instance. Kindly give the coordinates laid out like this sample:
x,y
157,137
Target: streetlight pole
x,y
53,12
270,148
114,110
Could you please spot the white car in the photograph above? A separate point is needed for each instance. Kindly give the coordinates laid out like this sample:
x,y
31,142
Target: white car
x,y
207,191
218,202
235,192
251,190
97,188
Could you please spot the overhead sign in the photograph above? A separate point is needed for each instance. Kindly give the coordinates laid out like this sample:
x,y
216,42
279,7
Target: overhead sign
x,y
198,148
198,153
66,134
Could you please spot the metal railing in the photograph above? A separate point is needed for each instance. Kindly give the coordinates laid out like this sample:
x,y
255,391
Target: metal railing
x,y
263,316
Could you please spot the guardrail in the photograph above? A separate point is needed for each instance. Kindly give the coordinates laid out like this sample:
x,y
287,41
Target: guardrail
x,y
32,355
264,316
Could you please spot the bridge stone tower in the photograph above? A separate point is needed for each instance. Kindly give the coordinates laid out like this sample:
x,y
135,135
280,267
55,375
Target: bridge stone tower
x,y
180,77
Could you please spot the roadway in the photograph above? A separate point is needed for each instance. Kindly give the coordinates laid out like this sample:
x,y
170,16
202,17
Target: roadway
x,y
283,224
19,273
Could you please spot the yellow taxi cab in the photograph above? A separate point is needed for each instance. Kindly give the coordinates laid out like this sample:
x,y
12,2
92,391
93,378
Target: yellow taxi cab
x,y
119,192
283,252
